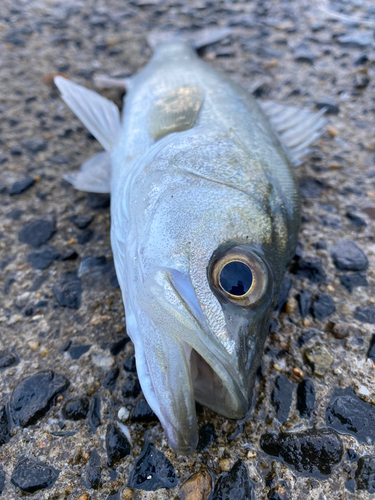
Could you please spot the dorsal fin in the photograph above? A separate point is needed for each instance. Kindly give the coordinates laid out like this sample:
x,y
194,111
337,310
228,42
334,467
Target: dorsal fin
x,y
297,128
176,111
99,115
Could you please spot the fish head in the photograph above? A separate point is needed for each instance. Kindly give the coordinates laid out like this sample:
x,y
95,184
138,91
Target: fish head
x,y
208,271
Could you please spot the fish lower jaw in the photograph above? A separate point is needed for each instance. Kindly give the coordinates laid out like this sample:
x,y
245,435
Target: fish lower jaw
x,y
211,391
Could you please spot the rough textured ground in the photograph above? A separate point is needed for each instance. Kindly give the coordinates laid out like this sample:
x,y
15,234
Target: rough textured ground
x,y
286,51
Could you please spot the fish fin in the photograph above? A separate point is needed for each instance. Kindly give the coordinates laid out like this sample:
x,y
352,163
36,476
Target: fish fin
x,y
297,128
99,115
176,111
94,176
197,40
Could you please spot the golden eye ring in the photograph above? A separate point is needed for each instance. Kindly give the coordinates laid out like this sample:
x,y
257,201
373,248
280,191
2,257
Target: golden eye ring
x,y
239,275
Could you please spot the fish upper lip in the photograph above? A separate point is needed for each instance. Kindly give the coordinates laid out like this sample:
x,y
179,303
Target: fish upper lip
x,y
166,297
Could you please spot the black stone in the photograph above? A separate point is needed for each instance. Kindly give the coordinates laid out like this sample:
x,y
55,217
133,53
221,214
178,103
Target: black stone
x,y
66,345
352,455
347,256
67,291
22,185
38,232
8,359
94,413
305,56
365,473
76,408
321,245
305,398
31,476
365,314
70,254
88,264
2,480
34,145
129,364
117,445
313,452
351,281
282,298
305,337
98,201
356,220
119,346
348,414
143,413
81,221
281,397
38,283
78,350
111,379
34,396
4,425
43,258
311,188
371,349
323,306
310,269
331,107
15,214
207,435
131,388
304,302
152,471
234,485
93,471
85,236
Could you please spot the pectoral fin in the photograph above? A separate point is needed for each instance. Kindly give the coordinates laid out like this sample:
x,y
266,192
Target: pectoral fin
x,y
176,111
94,175
99,115
296,127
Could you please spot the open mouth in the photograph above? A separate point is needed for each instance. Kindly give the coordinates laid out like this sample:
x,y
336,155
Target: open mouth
x,y
185,362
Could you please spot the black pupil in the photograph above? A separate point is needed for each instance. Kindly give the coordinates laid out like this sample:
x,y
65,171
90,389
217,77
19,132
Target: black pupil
x,y
236,278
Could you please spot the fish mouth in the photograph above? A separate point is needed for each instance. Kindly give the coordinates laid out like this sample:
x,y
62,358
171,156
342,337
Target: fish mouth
x,y
182,361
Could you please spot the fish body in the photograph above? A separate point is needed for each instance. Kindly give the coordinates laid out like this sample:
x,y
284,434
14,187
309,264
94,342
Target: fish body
x,y
205,215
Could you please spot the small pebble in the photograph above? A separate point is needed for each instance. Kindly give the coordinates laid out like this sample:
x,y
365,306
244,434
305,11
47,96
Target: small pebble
x,y
37,232
320,358
22,185
347,256
305,398
349,414
207,435
143,413
127,494
323,306
281,397
76,408
34,396
197,487
235,484
68,290
117,444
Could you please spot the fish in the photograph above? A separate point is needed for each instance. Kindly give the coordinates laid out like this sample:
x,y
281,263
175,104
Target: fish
x,y
205,214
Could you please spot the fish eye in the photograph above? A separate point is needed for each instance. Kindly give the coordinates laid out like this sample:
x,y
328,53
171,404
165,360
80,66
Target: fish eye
x,y
239,275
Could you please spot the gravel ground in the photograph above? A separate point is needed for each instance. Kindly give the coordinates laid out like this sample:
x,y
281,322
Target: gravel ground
x,y
72,325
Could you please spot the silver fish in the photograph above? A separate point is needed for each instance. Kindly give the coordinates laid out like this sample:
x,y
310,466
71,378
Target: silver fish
x,y
205,214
